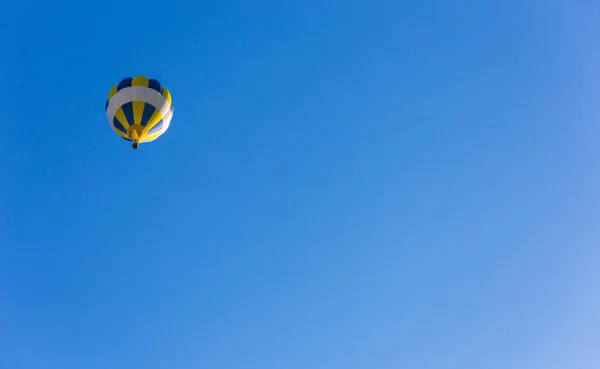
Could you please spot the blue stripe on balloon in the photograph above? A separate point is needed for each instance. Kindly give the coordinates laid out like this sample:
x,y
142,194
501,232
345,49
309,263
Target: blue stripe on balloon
x,y
128,112
155,85
118,125
149,110
156,128
126,82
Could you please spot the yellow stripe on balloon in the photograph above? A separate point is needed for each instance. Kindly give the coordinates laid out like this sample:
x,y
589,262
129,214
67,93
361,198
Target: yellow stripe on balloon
x,y
140,81
156,117
138,110
119,132
167,95
113,91
153,136
120,115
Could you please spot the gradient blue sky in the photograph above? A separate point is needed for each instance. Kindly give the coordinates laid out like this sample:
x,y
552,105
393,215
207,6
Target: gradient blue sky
x,y
345,184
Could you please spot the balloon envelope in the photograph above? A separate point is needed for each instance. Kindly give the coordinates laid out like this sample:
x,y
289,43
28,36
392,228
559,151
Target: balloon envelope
x,y
139,109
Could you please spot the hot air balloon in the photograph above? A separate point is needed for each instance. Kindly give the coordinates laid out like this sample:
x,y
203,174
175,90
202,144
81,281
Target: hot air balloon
x,y
139,109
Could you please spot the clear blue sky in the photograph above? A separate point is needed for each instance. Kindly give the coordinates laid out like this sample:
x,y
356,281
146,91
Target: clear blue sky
x,y
345,184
